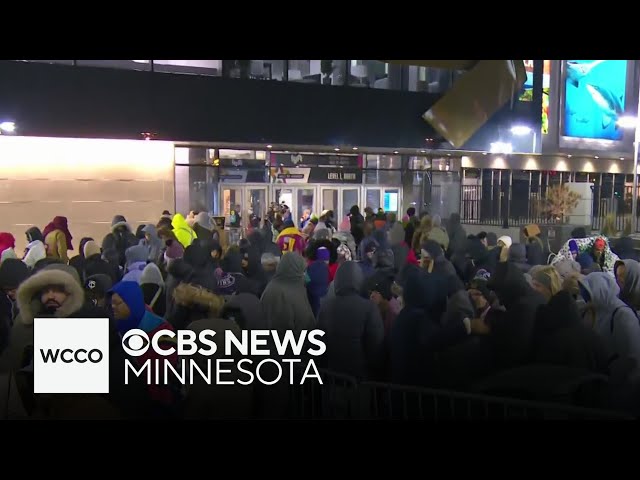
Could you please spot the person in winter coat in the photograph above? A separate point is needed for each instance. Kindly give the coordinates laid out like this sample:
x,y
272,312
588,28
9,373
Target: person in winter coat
x,y
512,330
93,264
437,233
378,290
120,238
612,319
152,285
153,243
546,281
627,274
561,338
433,260
344,236
318,275
129,311
36,249
518,256
12,273
77,261
416,334
214,400
290,239
426,224
201,226
354,330
356,223
136,261
96,289
457,234
58,239
7,246
284,301
183,232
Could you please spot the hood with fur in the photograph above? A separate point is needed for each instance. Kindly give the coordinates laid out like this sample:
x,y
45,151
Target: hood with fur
x,y
29,294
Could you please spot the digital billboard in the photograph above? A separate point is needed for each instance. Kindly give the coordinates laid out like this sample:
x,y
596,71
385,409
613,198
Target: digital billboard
x,y
546,84
594,98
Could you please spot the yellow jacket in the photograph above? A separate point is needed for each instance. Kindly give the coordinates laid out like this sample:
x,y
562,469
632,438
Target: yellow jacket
x,y
56,243
183,232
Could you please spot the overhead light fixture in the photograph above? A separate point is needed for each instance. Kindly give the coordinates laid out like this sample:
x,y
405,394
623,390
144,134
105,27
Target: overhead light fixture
x,y
395,152
484,153
448,154
520,130
8,127
355,148
501,147
269,146
596,156
337,149
627,122
569,156
621,158
423,151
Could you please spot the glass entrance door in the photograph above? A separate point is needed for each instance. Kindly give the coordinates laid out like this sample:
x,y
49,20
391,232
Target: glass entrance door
x,y
256,199
232,206
350,197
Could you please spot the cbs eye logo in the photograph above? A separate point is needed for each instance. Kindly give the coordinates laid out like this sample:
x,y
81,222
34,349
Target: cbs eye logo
x,y
136,342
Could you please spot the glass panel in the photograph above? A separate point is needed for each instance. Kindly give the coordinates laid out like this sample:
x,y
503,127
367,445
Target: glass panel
x,y
419,163
195,189
257,202
330,199
431,80
391,201
305,200
284,196
382,177
375,74
129,64
383,161
349,199
373,199
63,62
326,72
232,201
445,193
200,67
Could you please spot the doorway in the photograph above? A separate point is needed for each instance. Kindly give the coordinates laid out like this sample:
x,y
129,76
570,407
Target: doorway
x,y
339,199
245,200
298,199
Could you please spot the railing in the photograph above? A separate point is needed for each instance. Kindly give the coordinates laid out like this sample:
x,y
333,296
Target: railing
x,y
343,397
497,208
610,202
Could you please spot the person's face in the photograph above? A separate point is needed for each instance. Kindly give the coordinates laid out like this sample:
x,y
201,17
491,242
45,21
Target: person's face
x,y
376,298
147,237
574,255
120,308
479,302
306,214
11,293
269,267
621,271
53,297
541,289
215,254
245,263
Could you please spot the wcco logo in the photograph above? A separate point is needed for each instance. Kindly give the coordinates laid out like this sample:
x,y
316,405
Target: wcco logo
x,y
71,355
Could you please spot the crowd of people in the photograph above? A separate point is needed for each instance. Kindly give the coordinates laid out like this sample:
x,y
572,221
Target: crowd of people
x,y
406,301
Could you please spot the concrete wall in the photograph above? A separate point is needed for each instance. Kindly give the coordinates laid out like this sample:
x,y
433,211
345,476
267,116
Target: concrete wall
x,y
88,181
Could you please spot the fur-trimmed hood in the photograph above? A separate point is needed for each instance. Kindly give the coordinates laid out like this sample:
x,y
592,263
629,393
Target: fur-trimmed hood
x,y
28,294
196,297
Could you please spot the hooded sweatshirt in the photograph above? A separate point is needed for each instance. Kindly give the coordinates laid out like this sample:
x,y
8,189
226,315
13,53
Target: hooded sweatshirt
x,y
120,238
284,301
181,229
457,234
354,331
136,261
614,321
630,293
154,244
35,250
518,256
152,285
143,319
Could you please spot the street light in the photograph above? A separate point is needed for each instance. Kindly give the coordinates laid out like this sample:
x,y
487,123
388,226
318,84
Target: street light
x,y
8,127
629,122
521,130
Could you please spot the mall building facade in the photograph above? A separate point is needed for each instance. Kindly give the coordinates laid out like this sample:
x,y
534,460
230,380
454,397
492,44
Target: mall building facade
x,y
317,134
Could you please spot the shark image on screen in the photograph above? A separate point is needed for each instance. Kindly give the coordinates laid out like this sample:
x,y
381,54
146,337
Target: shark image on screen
x,y
594,98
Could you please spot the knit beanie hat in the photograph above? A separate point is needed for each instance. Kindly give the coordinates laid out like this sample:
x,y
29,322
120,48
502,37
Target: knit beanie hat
x,y
322,254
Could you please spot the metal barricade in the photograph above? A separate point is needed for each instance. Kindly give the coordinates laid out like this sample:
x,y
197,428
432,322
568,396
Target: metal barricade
x,y
344,397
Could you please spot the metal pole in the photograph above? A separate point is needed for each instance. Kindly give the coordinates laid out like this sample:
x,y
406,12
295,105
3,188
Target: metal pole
x,y
634,202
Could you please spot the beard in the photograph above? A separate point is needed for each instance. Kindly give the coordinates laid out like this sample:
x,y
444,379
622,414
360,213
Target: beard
x,y
51,307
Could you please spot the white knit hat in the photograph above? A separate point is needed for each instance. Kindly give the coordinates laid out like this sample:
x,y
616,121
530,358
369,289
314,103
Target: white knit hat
x,y
506,239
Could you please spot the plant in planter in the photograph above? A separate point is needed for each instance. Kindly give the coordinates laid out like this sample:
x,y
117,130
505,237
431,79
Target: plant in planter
x,y
559,202
609,228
